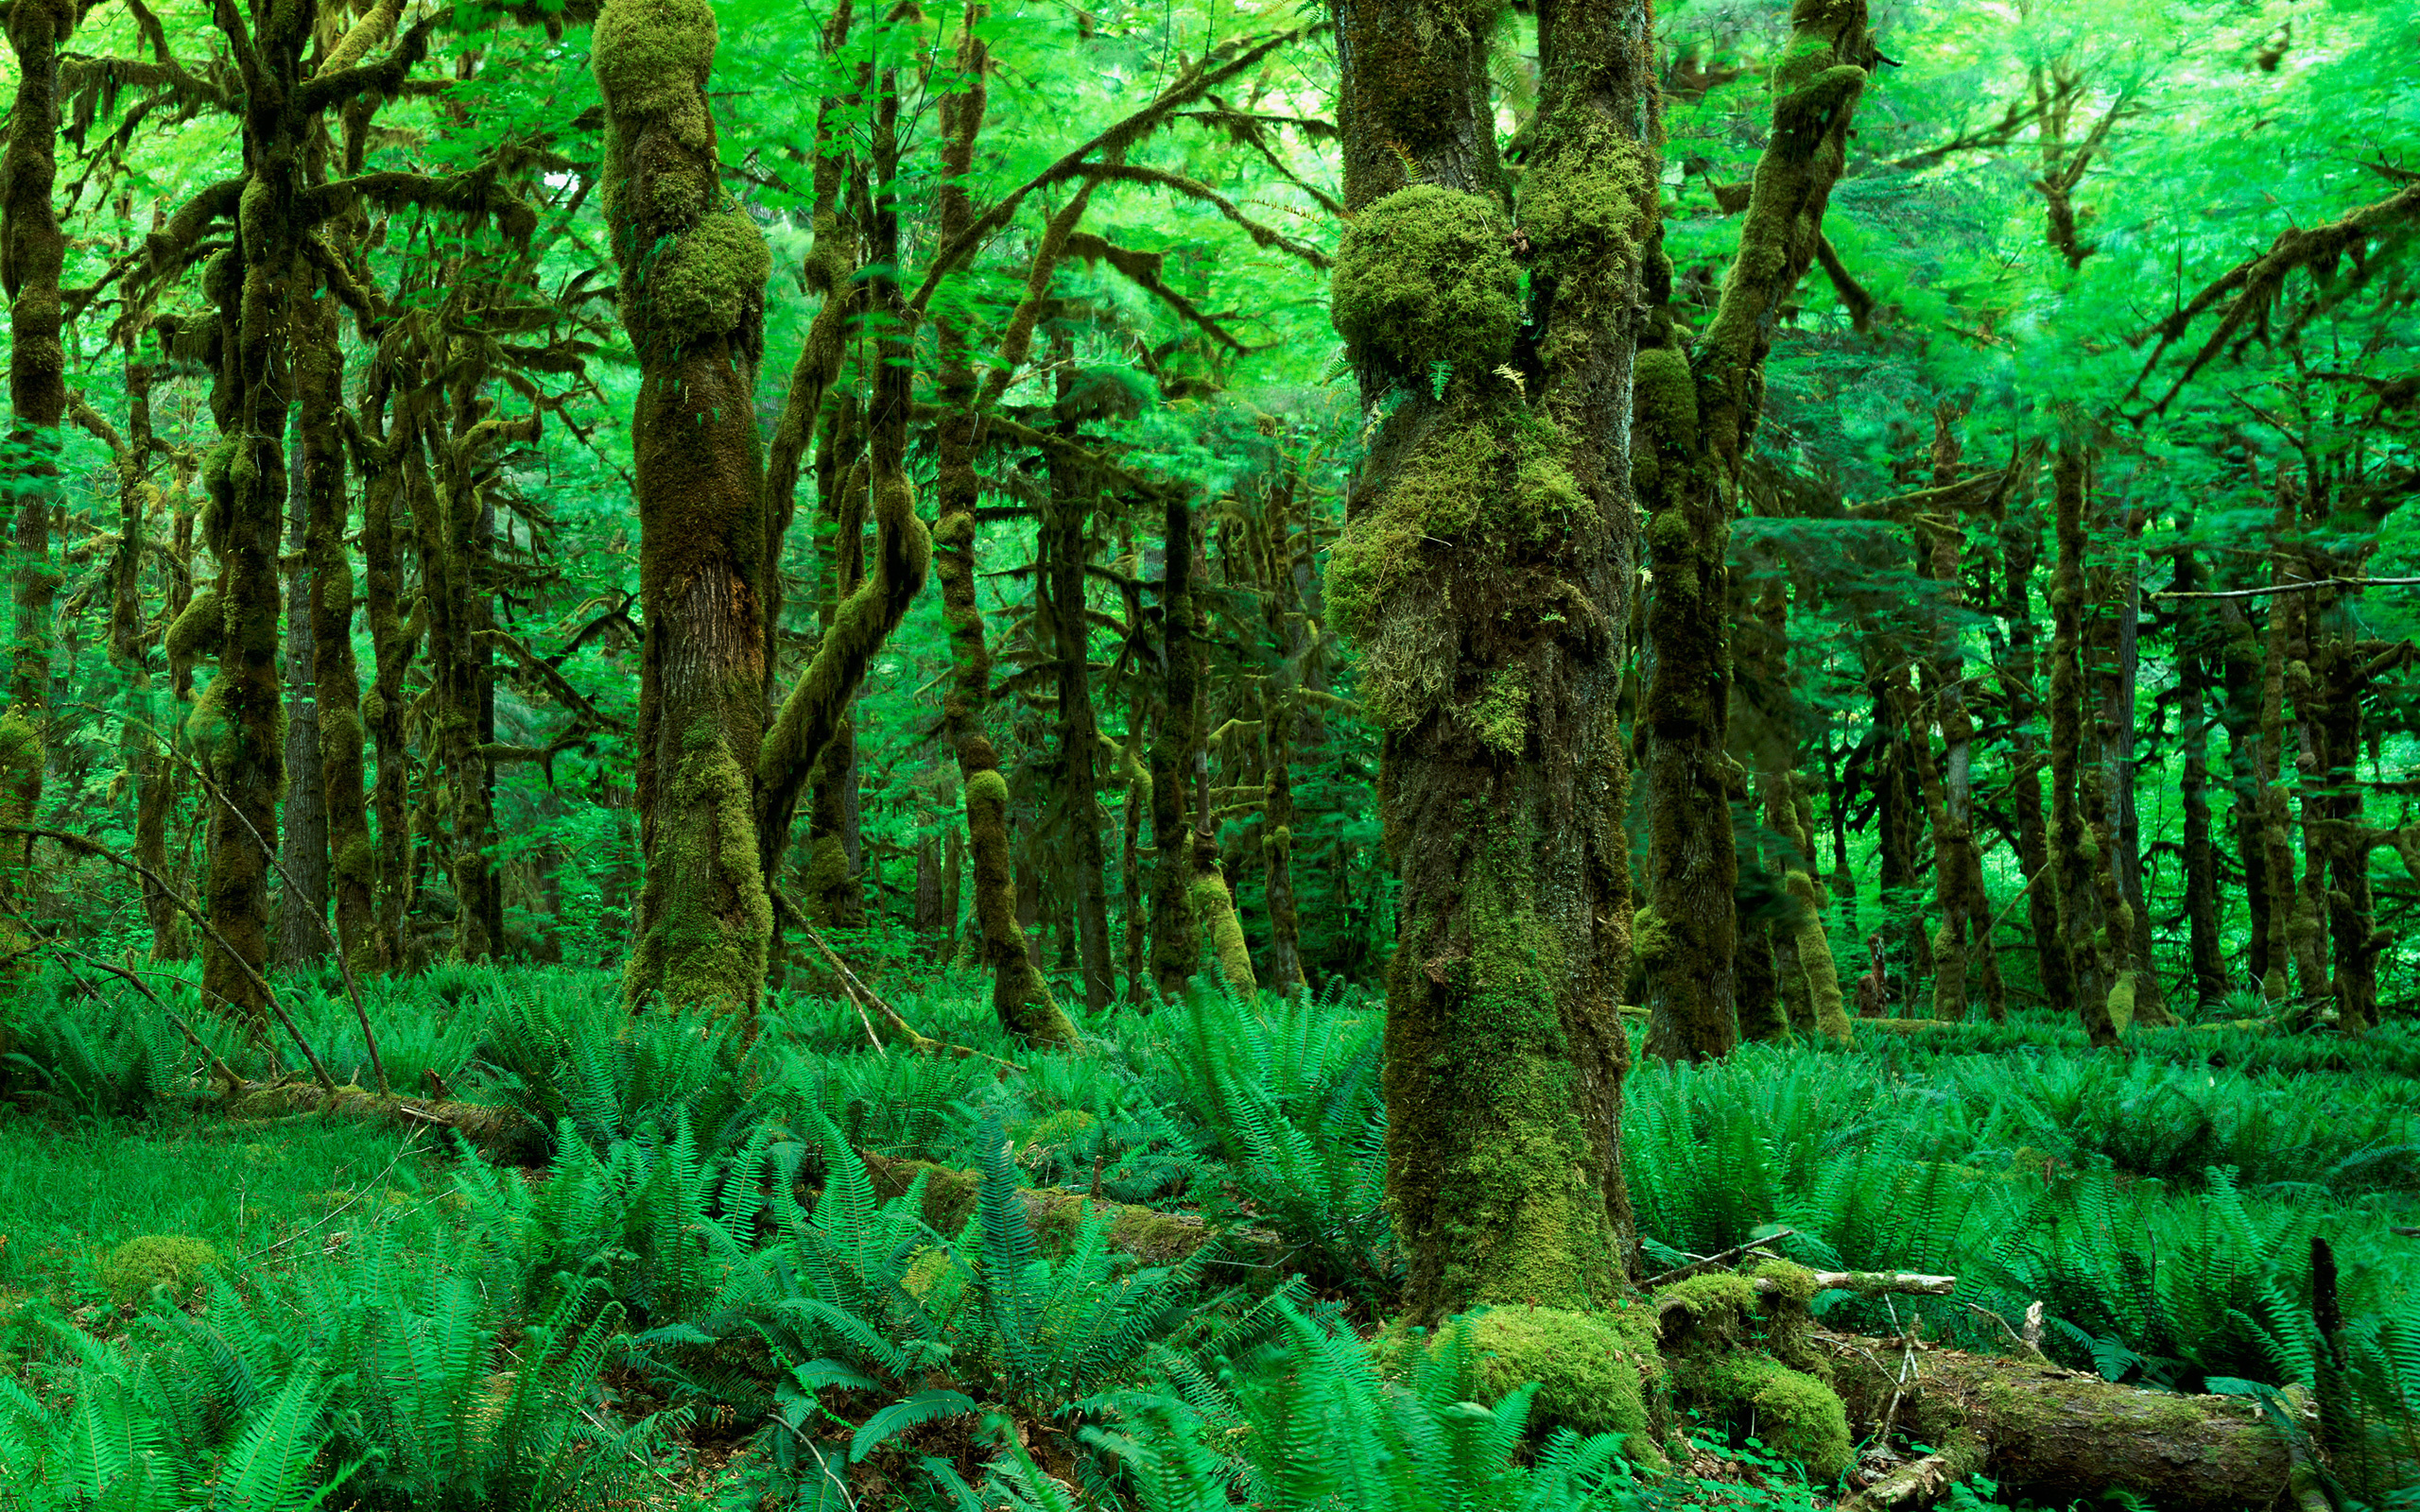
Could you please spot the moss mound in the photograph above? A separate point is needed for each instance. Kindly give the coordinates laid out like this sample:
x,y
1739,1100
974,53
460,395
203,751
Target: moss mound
x,y
1595,1371
1426,276
173,1260
1795,1414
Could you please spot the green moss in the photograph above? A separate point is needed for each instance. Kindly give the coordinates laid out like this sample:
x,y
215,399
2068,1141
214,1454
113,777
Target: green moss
x,y
1486,469
173,1260
1651,937
1424,276
2121,1002
1664,396
700,286
1582,204
1501,717
707,946
651,59
1214,910
1794,1283
1796,1416
21,744
1710,1295
1593,1370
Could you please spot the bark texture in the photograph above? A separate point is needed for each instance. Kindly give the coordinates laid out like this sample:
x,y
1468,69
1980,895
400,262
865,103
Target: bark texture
x,y
693,276
1485,570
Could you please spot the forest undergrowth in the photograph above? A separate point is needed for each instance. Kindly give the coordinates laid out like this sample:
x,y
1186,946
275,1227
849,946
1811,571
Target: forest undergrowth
x,y
814,1270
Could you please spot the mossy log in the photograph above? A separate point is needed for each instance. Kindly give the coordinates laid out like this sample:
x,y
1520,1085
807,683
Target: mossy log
x,y
1150,1235
500,1134
2056,1437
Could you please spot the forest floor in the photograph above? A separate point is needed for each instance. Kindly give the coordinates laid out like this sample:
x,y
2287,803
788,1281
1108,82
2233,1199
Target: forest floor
x,y
644,1315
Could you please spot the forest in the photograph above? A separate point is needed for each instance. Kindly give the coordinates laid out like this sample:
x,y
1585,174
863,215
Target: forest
x,y
1394,756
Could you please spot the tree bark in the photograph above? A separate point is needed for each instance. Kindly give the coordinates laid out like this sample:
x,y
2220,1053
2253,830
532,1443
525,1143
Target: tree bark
x,y
1066,550
693,275
2020,538
33,253
1020,997
2193,660
2078,860
302,835
1176,936
1494,660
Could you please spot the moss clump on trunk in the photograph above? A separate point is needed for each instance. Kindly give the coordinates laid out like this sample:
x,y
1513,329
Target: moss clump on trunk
x,y
1424,276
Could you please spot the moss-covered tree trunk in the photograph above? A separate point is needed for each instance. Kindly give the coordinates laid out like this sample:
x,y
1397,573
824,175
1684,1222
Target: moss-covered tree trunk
x,y
389,464
2076,857
1966,908
1020,997
1485,571
33,251
303,813
352,868
1176,935
2020,541
2118,680
830,891
1697,411
1066,551
2194,655
2239,661
693,276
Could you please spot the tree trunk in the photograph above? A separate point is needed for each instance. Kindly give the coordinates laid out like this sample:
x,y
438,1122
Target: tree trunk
x,y
693,275
1697,412
33,251
2078,863
392,468
1020,997
2020,550
302,837
1065,550
1176,937
2240,709
2193,658
830,891
1494,662
2124,822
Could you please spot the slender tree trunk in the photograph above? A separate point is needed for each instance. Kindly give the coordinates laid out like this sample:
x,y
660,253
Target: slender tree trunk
x,y
302,837
1176,939
1131,864
2239,660
1079,728
2293,929
1020,997
1494,660
2077,862
2193,654
392,468
830,891
693,275
2124,822
2020,551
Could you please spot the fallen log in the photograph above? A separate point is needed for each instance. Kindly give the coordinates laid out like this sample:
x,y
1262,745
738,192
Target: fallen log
x,y
2055,1437
501,1134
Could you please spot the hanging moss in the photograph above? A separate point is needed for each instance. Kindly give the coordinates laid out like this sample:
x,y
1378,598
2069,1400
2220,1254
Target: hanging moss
x,y
1425,276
